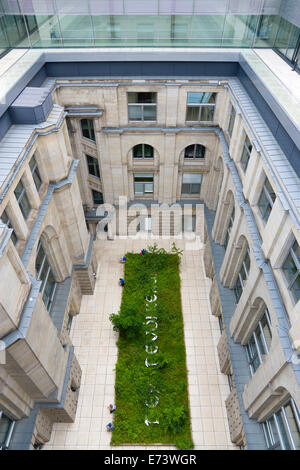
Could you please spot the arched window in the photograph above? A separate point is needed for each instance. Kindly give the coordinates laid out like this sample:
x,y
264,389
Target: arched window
x,y
259,342
282,428
45,274
229,227
143,151
242,276
194,151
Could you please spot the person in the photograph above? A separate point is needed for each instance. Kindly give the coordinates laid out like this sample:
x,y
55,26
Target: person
x,y
143,252
110,427
122,282
122,260
112,408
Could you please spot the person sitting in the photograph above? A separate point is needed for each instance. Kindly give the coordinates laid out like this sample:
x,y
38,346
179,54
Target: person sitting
x,y
121,282
122,260
110,427
143,251
112,408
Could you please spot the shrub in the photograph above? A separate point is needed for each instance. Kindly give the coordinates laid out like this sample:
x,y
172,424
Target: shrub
x,y
129,325
173,418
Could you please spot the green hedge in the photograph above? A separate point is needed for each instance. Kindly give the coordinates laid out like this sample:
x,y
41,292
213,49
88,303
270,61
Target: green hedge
x,y
132,376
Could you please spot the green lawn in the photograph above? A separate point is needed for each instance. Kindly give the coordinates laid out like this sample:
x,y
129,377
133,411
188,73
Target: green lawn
x,y
134,380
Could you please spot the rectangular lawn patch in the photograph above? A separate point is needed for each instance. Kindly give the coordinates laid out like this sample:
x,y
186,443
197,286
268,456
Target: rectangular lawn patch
x,y
151,375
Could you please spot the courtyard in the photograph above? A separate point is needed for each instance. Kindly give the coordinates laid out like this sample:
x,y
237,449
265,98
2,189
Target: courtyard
x,y
95,346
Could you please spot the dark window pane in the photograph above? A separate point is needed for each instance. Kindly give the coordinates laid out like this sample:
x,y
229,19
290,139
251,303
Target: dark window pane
x,y
138,151
97,197
93,166
148,151
19,189
149,113
25,205
293,424
195,188
192,113
207,113
296,289
87,127
189,151
135,113
200,151
283,430
289,268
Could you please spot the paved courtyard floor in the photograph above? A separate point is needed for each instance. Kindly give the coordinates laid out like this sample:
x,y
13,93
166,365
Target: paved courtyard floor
x,y
96,350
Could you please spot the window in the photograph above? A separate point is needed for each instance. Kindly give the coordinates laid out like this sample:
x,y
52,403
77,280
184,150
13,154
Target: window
x,y
191,183
6,430
230,382
38,445
189,223
22,199
266,200
194,151
291,271
145,224
6,221
143,183
143,151
200,106
93,166
141,106
242,276
282,429
259,342
45,274
230,224
231,121
221,326
247,148
87,127
69,323
97,197
35,173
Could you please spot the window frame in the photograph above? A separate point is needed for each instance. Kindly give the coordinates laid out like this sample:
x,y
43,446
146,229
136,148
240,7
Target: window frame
x,y
93,163
20,198
194,157
246,153
270,202
259,353
35,173
229,227
268,432
200,107
296,261
143,153
93,196
136,175
90,129
231,121
45,279
190,184
142,106
239,278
